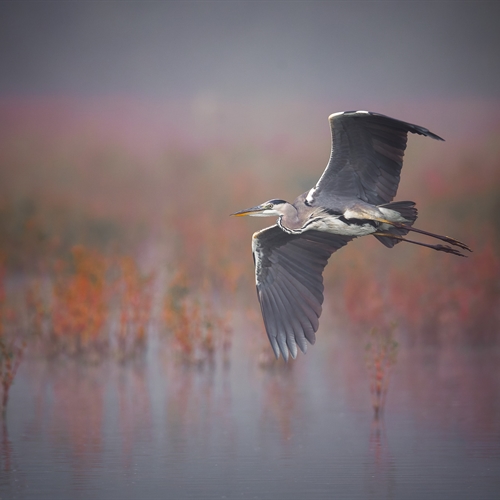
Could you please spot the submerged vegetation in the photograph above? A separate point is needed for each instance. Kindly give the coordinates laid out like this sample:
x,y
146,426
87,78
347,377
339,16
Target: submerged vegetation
x,y
105,245
381,356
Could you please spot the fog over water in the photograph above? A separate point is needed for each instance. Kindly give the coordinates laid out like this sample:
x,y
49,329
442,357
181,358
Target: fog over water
x,y
129,131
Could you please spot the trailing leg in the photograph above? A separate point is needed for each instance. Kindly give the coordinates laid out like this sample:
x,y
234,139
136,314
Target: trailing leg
x,y
407,227
439,248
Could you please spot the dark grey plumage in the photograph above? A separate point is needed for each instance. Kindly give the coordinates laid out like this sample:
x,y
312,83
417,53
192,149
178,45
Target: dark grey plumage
x,y
289,283
366,158
352,198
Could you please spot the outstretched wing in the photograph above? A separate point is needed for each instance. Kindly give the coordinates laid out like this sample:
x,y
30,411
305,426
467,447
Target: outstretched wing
x,y
288,274
366,158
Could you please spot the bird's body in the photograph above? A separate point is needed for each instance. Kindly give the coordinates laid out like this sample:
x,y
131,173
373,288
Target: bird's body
x,y
353,219
352,198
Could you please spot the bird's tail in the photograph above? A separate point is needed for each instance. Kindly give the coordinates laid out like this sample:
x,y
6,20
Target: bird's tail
x,y
408,211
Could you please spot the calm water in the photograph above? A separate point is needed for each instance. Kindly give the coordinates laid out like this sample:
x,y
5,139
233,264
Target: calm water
x,y
154,429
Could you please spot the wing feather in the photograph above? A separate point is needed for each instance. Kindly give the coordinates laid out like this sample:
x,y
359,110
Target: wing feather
x,y
312,289
280,314
308,316
269,321
366,159
302,330
270,316
288,274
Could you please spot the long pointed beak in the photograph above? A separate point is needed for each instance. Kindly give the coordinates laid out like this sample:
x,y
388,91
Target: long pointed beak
x,y
249,211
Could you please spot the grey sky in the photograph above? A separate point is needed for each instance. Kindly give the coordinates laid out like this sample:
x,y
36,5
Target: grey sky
x,y
251,50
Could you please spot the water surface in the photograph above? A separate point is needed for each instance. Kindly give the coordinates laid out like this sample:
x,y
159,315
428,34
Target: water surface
x,y
156,429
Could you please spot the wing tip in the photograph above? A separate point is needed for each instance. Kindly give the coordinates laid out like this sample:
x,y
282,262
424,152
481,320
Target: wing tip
x,y
284,353
433,136
275,347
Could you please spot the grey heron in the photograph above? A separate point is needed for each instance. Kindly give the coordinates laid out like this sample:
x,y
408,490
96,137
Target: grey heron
x,y
352,198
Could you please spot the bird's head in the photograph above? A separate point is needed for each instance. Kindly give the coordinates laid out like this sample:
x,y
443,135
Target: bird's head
x,y
267,209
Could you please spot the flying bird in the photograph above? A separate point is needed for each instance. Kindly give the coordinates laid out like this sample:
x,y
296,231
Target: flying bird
x,y
352,198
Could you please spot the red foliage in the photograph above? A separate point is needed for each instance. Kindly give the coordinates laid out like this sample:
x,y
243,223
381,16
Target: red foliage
x,y
79,309
199,332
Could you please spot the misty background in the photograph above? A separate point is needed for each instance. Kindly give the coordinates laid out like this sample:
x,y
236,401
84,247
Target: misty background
x,y
252,50
283,64
129,131
111,109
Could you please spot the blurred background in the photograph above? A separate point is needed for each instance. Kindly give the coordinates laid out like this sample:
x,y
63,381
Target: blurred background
x,y
129,131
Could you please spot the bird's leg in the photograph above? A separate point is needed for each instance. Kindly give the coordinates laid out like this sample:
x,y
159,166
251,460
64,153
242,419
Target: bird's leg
x,y
447,239
439,248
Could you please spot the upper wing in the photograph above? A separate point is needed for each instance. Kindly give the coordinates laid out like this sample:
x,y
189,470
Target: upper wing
x,y
366,158
288,274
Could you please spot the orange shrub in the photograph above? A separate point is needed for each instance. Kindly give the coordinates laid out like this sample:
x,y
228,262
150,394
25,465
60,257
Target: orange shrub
x,y
450,297
198,330
79,308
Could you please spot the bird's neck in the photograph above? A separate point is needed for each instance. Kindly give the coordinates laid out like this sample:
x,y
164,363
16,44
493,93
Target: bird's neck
x,y
289,221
